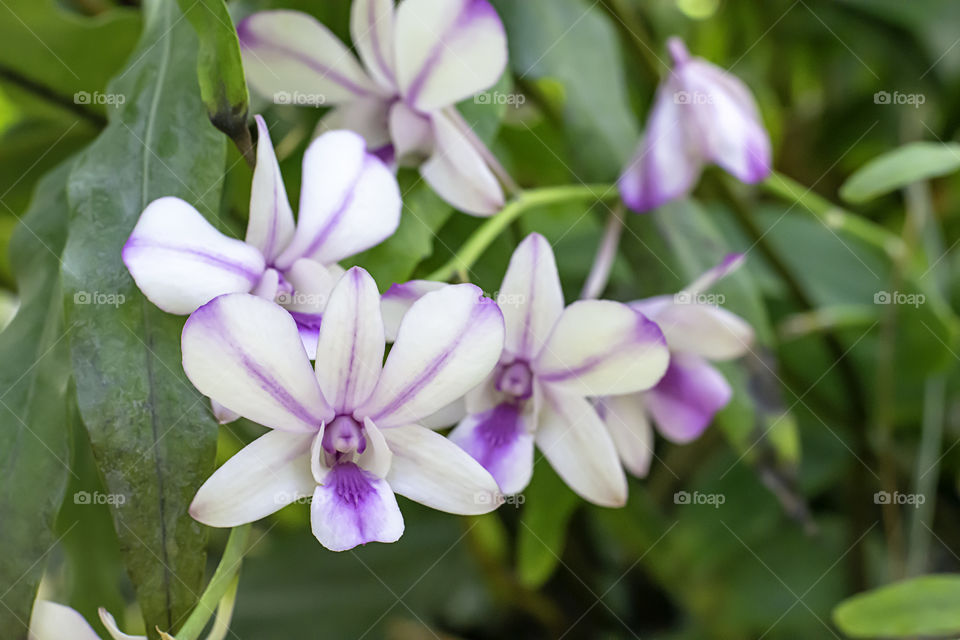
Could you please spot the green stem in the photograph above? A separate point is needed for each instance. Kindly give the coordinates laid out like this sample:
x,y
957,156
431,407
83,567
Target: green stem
x,y
478,242
219,584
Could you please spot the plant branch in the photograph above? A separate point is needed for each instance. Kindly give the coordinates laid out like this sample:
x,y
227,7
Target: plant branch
x,y
42,91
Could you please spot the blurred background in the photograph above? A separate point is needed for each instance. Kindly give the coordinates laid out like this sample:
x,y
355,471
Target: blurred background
x,y
844,395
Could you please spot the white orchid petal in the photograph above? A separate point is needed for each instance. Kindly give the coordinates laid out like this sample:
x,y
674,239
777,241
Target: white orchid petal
x,y
263,477
245,353
705,330
432,470
398,299
354,507
448,342
289,52
575,441
367,117
110,624
351,343
447,50
350,201
53,621
500,439
458,172
271,219
179,261
629,425
371,28
412,134
599,347
377,458
530,297
685,401
446,416
222,414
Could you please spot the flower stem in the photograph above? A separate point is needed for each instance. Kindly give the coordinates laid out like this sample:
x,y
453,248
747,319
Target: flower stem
x,y
486,233
606,253
220,584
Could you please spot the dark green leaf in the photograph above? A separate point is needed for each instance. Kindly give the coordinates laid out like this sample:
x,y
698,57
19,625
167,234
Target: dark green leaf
x,y
898,168
151,433
924,606
35,407
548,506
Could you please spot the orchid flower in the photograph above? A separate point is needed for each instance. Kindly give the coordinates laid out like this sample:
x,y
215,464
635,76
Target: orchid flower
x,y
553,359
349,202
348,433
416,61
52,621
690,394
701,114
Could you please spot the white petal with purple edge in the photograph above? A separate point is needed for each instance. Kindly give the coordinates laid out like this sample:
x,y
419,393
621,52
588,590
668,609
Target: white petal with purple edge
x,y
447,50
530,297
575,441
685,401
708,331
501,440
667,163
263,477
398,299
349,202
354,507
448,342
599,348
368,117
289,52
412,134
245,353
371,28
629,426
431,470
351,344
271,220
53,621
179,261
458,173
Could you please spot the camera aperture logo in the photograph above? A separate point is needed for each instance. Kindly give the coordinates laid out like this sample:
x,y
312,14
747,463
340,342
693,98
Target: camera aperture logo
x,y
85,497
712,499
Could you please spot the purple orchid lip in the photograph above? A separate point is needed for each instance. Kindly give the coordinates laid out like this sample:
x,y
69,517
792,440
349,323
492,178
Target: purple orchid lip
x,y
515,380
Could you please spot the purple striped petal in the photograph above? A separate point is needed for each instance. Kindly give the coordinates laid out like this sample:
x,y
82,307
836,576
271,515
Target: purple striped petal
x,y
245,353
179,261
371,28
629,425
685,401
398,299
447,50
458,172
288,54
599,348
703,329
349,202
432,470
354,507
265,476
530,297
501,439
447,343
271,220
351,343
575,441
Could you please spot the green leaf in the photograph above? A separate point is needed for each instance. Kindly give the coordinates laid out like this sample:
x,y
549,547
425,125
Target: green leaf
x,y
898,168
548,505
35,407
924,606
219,70
151,432
572,43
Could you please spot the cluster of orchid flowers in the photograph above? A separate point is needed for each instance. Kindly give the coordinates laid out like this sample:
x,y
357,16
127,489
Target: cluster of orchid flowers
x,y
584,383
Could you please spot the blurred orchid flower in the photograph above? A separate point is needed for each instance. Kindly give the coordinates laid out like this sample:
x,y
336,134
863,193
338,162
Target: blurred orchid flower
x,y
349,202
701,114
416,61
690,394
553,358
347,434
52,621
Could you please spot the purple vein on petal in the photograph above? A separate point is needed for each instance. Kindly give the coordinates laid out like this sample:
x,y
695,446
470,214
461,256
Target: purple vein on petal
x,y
210,258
